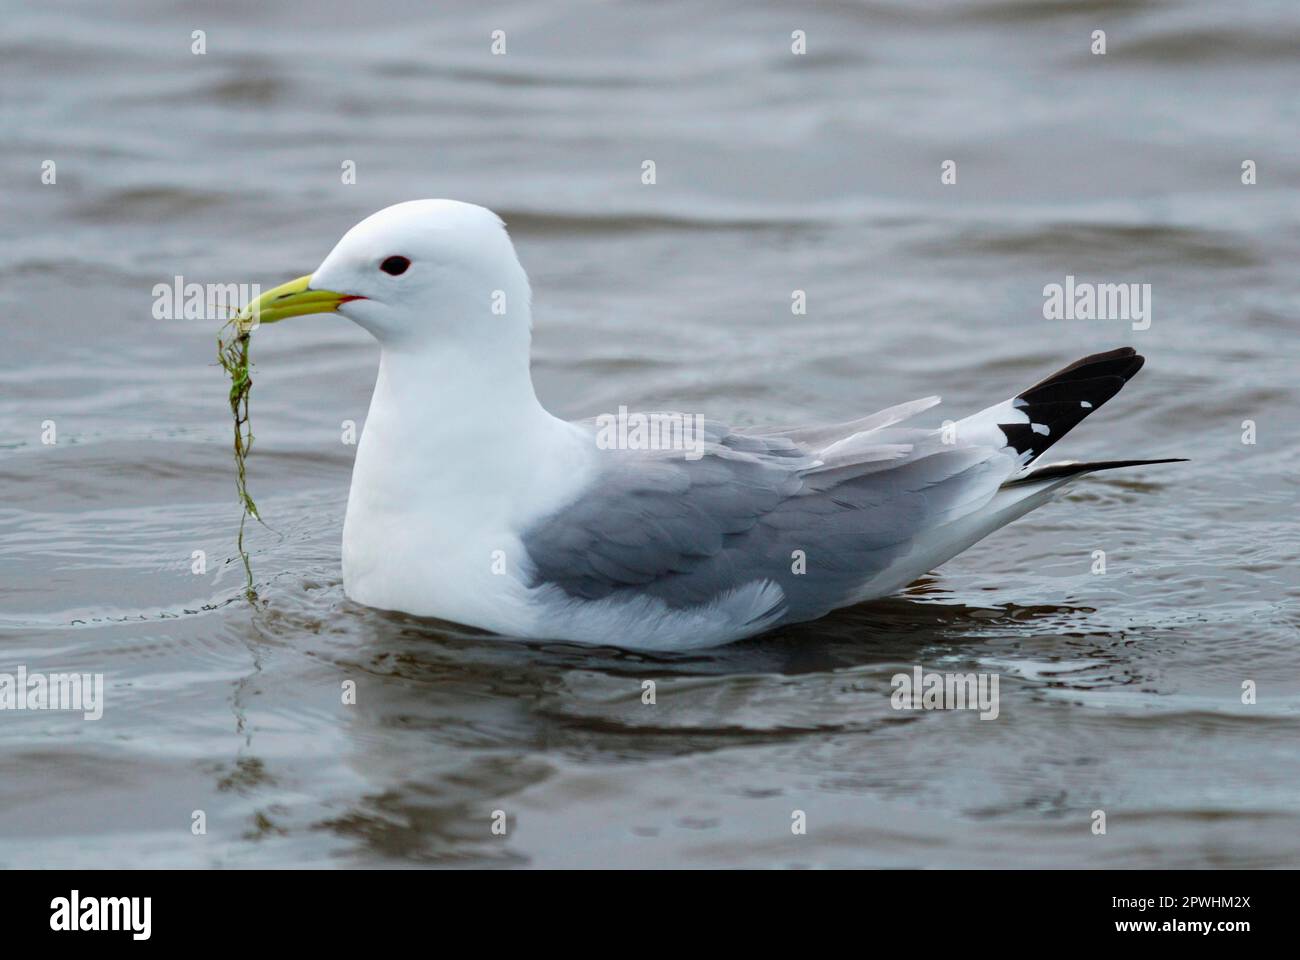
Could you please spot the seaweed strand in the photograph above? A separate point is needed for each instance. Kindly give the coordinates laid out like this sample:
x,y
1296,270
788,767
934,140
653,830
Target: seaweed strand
x,y
232,354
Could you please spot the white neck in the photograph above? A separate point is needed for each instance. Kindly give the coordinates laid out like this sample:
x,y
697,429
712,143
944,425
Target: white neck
x,y
447,390
441,419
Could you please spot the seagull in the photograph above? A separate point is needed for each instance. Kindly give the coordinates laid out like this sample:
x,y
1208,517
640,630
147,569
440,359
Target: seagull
x,y
471,503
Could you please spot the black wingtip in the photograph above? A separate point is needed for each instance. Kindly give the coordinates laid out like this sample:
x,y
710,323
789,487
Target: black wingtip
x,y
1058,403
1060,471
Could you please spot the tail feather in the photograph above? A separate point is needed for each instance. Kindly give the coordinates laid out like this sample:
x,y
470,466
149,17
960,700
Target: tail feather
x,y
1056,405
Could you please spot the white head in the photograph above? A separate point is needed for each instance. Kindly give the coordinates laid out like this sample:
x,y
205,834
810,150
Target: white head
x,y
427,276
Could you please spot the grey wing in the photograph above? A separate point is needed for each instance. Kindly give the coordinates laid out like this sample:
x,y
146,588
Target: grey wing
x,y
757,509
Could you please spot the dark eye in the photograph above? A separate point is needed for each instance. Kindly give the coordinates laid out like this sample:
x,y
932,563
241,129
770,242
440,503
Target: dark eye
x,y
395,265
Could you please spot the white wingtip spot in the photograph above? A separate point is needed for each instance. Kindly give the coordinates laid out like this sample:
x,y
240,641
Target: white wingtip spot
x,y
1040,428
1085,404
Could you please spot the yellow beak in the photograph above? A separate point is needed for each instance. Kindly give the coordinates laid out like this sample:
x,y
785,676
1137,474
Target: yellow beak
x,y
292,299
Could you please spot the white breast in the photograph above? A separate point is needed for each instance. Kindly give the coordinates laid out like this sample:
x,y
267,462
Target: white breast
x,y
438,504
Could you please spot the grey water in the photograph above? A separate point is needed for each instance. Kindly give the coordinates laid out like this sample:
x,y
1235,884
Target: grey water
x,y
1127,692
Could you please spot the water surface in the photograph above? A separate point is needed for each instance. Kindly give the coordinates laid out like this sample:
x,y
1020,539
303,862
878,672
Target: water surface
x,y
1119,692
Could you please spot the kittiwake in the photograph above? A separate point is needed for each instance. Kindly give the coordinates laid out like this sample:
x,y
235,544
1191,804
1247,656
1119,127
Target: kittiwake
x,y
473,504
